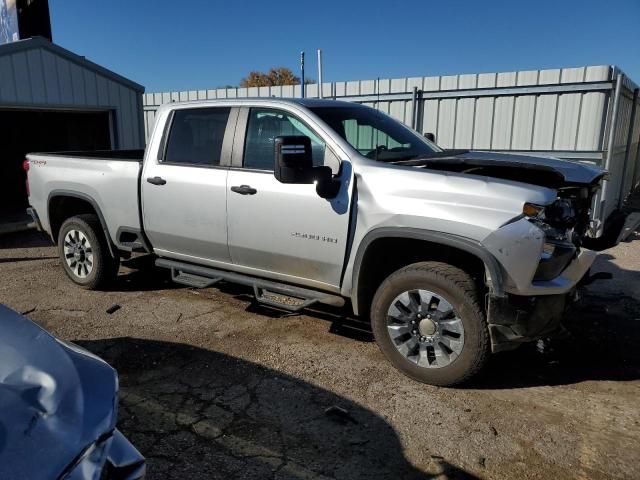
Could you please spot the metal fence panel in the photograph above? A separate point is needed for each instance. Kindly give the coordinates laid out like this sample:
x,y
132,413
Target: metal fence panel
x,y
566,112
483,124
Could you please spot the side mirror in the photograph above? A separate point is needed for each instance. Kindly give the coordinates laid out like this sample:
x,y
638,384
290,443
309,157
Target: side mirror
x,y
326,185
294,163
430,136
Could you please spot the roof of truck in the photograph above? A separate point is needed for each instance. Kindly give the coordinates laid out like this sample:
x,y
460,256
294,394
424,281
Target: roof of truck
x,y
306,102
317,102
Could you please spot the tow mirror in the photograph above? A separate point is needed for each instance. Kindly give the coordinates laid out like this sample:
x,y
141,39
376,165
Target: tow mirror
x,y
294,162
430,136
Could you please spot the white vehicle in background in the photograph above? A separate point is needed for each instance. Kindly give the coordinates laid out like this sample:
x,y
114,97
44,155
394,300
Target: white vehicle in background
x,y
451,254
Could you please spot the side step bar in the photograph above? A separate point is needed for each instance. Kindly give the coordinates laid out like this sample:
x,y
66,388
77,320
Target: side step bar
x,y
202,277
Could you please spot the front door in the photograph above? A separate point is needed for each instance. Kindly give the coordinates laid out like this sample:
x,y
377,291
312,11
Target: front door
x,y
285,231
184,190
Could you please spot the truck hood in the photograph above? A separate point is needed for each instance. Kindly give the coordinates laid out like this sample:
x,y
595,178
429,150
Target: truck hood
x,y
538,170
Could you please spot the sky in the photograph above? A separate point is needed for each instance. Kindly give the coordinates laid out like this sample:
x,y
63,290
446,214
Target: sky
x,y
170,45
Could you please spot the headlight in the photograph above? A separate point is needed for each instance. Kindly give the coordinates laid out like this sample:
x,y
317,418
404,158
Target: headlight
x,y
532,210
561,214
546,219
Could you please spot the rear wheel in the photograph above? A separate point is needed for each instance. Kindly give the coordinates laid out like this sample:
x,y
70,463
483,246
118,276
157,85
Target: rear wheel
x,y
85,253
427,321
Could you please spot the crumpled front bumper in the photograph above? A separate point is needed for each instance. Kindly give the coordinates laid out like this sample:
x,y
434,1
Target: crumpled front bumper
x,y
518,247
113,457
531,309
514,320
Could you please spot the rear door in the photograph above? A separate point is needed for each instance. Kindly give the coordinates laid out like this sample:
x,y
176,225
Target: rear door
x,y
184,189
284,231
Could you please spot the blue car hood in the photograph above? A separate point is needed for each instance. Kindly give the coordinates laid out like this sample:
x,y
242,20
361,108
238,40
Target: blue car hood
x,y
56,400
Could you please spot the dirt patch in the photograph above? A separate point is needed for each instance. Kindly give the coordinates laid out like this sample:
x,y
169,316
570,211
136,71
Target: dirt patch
x,y
214,386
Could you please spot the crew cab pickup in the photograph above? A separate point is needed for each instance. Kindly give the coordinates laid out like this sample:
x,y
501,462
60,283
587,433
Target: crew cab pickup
x,y
452,254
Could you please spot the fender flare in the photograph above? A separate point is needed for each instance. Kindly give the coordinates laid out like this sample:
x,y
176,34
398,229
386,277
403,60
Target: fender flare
x,y
468,245
82,196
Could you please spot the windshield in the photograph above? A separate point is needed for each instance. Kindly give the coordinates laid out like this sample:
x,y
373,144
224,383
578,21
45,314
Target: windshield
x,y
374,134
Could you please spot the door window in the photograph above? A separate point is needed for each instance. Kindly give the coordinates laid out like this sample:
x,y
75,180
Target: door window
x,y
196,136
264,126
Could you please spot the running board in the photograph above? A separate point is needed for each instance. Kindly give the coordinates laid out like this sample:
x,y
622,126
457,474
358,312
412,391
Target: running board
x,y
191,280
202,277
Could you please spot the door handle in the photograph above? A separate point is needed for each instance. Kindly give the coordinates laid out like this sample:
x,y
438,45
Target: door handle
x,y
156,180
244,190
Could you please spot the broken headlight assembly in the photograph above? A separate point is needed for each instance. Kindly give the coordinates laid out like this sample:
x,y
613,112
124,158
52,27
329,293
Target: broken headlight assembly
x,y
556,221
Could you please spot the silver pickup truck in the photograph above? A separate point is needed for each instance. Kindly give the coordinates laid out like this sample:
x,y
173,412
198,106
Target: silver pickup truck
x,y
451,254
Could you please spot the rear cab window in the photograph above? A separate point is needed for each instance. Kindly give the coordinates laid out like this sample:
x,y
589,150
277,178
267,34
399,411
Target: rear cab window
x,y
196,136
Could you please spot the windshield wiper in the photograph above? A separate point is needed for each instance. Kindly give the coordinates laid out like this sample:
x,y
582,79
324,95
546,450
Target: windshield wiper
x,y
424,158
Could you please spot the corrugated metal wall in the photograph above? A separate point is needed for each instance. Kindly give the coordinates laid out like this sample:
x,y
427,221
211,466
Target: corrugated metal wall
x,y
563,112
511,119
36,74
623,158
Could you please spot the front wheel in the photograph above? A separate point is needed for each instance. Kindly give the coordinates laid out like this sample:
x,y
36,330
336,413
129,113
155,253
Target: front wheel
x,y
85,254
427,322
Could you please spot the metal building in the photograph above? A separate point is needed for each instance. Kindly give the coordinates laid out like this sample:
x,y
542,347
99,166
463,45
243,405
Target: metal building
x,y
587,114
54,100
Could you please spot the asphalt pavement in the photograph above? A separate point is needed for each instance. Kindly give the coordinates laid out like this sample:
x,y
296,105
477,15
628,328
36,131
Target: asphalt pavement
x,y
215,386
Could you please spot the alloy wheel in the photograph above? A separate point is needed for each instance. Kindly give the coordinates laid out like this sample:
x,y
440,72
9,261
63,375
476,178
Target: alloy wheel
x,y
425,328
78,253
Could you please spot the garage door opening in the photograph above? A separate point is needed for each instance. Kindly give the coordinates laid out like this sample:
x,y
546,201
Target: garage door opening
x,y
26,131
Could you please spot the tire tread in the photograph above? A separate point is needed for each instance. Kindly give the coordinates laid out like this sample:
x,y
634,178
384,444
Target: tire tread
x,y
462,281
107,269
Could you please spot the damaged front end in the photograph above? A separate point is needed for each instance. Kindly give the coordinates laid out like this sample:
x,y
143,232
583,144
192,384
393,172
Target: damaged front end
x,y
58,409
546,252
575,182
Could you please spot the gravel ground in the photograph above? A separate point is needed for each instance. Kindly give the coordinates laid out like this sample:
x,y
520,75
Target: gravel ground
x,y
213,386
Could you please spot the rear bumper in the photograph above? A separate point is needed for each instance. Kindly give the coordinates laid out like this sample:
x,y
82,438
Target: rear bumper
x,y
36,220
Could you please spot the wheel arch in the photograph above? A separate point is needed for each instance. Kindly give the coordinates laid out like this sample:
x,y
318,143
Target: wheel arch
x,y
469,248
64,204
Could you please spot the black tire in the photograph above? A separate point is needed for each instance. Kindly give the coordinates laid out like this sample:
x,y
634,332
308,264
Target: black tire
x,y
104,267
460,291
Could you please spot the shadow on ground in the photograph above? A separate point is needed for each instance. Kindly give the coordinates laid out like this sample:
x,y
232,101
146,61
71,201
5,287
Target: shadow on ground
x,y
29,239
196,413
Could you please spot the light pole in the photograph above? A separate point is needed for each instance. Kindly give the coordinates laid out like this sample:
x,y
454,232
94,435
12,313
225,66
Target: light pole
x,y
302,74
319,73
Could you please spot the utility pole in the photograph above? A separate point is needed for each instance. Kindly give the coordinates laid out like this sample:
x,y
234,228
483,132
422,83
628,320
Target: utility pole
x,y
319,73
302,74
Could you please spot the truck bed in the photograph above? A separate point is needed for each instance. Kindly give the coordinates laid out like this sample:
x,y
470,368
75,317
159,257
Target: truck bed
x,y
107,180
124,155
